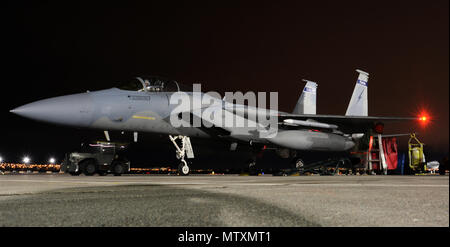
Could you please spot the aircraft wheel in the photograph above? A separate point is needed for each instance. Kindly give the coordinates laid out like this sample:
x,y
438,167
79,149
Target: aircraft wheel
x,y
89,167
118,169
183,168
74,173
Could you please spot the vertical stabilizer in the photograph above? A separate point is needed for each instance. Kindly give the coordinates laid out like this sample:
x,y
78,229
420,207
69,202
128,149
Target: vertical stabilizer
x,y
358,105
306,104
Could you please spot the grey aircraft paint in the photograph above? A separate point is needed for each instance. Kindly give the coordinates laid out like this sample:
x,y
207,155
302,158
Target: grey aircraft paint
x,y
149,111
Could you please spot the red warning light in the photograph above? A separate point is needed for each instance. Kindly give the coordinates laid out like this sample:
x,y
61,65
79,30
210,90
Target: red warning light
x,y
424,116
379,128
424,119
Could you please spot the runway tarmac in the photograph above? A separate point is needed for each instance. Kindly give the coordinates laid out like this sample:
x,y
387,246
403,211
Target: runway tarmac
x,y
223,200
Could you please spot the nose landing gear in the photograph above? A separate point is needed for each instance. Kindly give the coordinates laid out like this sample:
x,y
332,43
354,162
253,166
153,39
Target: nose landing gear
x,y
183,168
185,149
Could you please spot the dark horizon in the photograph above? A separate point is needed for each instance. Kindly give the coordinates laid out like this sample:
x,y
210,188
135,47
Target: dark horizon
x,y
53,49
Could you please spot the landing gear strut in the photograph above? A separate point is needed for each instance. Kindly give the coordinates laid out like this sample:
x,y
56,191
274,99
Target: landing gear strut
x,y
185,149
299,165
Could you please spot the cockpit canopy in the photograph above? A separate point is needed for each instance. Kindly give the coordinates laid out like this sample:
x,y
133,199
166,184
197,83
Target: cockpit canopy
x,y
151,84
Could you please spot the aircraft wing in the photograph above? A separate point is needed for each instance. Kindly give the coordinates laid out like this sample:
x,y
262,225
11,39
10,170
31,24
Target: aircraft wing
x,y
347,124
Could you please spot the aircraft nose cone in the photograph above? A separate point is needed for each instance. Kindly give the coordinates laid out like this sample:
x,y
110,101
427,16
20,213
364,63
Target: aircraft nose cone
x,y
75,109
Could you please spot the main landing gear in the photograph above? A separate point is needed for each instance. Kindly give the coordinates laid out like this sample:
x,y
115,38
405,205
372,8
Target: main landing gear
x,y
299,165
181,152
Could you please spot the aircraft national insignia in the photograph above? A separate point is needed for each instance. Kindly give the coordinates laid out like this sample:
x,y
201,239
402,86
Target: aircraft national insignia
x,y
364,83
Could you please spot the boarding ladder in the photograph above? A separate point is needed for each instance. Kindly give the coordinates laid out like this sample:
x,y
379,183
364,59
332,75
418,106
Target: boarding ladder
x,y
376,154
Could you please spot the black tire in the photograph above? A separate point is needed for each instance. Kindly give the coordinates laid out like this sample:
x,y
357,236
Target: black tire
x,y
89,167
118,169
74,173
102,173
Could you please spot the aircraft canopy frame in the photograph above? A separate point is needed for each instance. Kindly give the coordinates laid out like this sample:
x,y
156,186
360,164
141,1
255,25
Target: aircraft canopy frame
x,y
152,84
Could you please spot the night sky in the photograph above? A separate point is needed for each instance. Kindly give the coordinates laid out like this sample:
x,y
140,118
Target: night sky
x,y
52,49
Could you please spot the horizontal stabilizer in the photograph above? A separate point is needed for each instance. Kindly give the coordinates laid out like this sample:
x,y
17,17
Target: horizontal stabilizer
x,y
396,135
347,124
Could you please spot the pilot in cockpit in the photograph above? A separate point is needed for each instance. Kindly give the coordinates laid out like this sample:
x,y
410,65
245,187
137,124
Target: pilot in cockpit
x,y
146,85
151,85
156,87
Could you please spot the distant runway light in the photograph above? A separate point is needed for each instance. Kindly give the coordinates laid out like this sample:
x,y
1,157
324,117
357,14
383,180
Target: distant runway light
x,y
26,160
1,159
51,160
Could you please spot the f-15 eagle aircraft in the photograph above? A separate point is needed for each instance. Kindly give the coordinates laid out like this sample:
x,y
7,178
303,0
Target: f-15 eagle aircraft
x,y
153,105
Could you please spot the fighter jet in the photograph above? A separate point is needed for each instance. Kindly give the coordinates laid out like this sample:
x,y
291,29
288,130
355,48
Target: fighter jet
x,y
152,105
